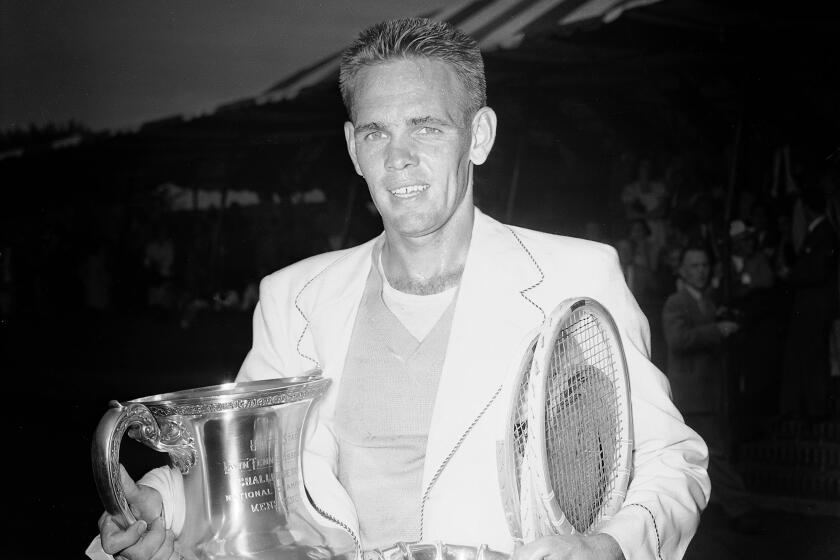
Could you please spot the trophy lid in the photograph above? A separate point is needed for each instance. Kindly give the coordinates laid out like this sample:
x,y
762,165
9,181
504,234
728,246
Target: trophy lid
x,y
237,396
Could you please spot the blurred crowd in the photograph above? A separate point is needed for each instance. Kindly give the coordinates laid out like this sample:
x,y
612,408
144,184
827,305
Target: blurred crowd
x,y
105,259
763,270
760,263
741,293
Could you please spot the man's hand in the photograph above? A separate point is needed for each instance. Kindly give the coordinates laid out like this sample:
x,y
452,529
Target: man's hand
x,y
727,328
571,547
145,539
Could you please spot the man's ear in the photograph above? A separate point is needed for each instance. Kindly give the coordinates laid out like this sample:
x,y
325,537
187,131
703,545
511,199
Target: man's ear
x,y
350,139
483,135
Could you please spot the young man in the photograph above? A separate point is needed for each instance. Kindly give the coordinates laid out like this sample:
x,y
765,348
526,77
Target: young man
x,y
418,329
697,371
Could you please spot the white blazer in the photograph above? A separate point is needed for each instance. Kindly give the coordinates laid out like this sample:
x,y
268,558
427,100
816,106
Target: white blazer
x,y
513,277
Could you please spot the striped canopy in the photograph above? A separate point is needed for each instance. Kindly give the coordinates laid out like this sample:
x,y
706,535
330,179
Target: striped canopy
x,y
495,24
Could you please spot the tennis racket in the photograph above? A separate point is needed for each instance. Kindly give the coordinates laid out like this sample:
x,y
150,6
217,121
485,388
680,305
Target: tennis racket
x,y
566,451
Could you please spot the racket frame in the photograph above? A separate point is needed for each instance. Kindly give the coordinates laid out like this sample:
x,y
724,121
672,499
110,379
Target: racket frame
x,y
553,517
506,452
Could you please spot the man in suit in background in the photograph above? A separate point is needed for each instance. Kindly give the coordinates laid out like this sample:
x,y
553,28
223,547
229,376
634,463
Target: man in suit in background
x,y
697,370
813,283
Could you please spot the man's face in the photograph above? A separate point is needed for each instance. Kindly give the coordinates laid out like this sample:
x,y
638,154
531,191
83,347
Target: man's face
x,y
694,269
413,144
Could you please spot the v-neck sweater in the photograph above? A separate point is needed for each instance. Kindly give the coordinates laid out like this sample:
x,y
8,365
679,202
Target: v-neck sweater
x,y
383,414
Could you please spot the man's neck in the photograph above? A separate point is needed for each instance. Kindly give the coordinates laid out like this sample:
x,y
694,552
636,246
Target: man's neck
x,y
429,264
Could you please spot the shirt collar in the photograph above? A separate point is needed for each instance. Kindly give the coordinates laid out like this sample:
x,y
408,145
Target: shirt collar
x,y
692,291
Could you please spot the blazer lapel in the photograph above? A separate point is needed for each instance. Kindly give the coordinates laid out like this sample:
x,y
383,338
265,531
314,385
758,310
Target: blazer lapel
x,y
334,295
491,317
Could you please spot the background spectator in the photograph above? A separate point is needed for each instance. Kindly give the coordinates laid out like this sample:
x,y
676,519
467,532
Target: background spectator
x,y
648,199
697,371
813,283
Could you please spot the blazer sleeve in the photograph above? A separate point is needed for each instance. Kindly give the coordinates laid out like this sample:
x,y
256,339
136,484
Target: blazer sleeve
x,y
669,486
277,331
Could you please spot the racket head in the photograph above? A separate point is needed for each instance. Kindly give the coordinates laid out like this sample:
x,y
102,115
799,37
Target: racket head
x,y
514,433
580,444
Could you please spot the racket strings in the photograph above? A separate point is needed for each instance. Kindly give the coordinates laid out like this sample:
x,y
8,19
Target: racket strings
x,y
520,414
520,429
582,417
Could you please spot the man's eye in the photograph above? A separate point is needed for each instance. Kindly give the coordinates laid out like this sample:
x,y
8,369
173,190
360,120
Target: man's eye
x,y
428,130
375,135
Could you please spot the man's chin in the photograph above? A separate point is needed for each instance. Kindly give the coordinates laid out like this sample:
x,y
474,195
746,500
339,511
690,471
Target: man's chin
x,y
416,228
412,232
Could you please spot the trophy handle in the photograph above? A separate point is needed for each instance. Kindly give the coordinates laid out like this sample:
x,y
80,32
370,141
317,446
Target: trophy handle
x,y
170,437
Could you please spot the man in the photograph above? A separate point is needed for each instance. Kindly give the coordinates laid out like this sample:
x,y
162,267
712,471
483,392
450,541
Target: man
x,y
805,391
418,329
750,269
697,370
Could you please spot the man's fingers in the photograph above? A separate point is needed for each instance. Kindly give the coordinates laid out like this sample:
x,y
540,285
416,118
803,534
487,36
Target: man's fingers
x,y
132,493
154,537
128,483
115,538
167,546
149,544
143,502
531,551
550,548
167,551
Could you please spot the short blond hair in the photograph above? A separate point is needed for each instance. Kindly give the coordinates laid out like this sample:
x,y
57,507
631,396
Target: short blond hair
x,y
416,38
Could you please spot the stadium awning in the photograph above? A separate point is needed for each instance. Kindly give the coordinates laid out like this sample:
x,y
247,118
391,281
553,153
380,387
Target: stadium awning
x,y
495,24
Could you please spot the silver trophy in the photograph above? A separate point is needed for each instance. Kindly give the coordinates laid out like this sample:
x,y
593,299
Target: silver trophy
x,y
238,447
435,551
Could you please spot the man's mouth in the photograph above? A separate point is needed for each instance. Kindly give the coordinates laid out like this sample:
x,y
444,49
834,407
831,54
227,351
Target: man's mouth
x,y
409,191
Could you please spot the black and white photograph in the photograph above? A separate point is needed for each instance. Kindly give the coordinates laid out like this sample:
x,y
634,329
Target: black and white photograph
x,y
421,280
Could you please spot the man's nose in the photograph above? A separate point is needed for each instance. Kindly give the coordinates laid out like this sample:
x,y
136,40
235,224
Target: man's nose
x,y
400,154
